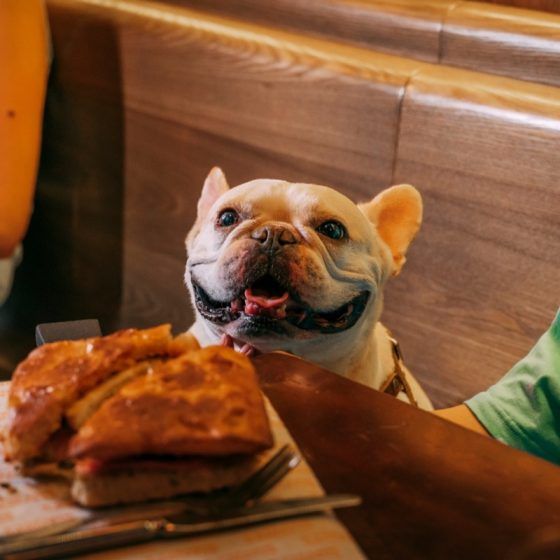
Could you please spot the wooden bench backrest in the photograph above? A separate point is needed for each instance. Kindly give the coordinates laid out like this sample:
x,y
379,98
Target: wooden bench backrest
x,y
523,44
482,281
187,91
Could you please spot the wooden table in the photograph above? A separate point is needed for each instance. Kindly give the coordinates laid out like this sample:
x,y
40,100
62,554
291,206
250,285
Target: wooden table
x,y
430,489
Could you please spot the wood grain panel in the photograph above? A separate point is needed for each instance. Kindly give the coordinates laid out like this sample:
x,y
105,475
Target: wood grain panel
x,y
482,282
545,5
200,91
403,27
506,41
523,44
296,97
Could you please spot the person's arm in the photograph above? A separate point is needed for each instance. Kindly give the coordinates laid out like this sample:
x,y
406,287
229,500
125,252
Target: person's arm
x,y
523,408
462,415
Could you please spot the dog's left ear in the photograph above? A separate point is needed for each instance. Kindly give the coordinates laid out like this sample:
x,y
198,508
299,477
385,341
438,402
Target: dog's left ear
x,y
215,186
396,213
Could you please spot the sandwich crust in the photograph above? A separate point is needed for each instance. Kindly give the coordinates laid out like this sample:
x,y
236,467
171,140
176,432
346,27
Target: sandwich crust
x,y
205,402
55,375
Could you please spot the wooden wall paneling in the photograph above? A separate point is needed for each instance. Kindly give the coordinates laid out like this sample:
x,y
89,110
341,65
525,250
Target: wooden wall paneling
x,y
81,180
507,41
544,5
403,27
523,44
481,282
199,91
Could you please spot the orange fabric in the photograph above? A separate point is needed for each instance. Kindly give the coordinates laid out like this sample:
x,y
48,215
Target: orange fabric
x,y
23,77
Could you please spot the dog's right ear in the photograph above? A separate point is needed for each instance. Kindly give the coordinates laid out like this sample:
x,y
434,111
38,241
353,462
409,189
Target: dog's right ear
x,y
215,186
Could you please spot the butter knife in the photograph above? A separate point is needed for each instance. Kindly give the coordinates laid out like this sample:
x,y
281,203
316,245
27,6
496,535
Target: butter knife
x,y
136,532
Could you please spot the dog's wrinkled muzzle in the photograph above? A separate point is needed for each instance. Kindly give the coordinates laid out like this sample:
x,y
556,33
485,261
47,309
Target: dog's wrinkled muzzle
x,y
265,289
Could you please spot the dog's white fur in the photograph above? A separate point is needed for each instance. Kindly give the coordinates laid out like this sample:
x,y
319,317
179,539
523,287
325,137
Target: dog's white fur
x,y
327,273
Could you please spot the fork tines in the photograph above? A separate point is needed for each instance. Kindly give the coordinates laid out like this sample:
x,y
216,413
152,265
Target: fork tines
x,y
263,479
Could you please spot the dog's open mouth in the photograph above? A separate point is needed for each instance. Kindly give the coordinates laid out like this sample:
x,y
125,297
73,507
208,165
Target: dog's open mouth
x,y
269,302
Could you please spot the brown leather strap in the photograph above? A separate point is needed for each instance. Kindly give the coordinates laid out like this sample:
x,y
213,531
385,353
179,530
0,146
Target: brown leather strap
x,y
397,382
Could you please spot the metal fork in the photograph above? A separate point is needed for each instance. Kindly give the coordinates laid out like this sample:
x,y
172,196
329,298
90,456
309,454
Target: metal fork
x,y
258,484
219,502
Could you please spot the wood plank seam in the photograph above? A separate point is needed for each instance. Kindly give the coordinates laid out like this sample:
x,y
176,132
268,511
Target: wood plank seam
x,y
402,94
443,22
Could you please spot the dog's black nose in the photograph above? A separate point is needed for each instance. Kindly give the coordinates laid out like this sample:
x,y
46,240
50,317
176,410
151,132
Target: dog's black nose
x,y
274,236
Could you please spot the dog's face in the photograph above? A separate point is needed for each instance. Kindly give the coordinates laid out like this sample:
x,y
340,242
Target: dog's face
x,y
278,265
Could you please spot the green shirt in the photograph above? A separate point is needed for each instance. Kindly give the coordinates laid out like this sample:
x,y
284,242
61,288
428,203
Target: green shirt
x,y
523,408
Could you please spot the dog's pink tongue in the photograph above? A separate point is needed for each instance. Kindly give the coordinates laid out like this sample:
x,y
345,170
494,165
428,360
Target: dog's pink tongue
x,y
263,305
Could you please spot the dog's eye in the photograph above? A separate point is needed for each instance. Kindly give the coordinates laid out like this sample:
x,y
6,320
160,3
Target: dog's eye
x,y
228,218
332,229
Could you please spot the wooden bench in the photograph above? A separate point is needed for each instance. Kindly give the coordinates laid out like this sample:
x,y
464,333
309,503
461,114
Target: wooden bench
x,y
145,98
482,282
404,27
520,43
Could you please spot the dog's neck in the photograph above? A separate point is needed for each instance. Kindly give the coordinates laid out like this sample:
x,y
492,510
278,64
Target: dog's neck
x,y
369,362
370,366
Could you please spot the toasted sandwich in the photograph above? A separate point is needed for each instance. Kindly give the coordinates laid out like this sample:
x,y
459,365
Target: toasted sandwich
x,y
136,415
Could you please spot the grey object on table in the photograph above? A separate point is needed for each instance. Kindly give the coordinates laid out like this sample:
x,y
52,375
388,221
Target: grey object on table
x,y
66,330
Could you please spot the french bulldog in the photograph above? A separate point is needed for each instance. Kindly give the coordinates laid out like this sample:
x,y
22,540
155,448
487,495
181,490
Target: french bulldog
x,y
300,268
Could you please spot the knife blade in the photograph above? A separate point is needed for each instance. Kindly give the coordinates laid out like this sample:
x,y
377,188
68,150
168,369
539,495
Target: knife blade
x,y
136,532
